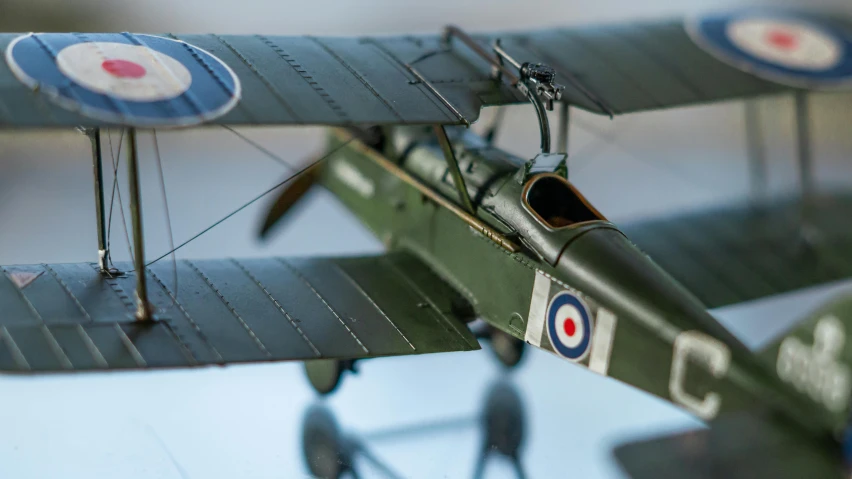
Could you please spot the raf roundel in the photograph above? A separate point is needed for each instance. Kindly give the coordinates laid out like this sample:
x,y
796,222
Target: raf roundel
x,y
127,79
569,326
782,47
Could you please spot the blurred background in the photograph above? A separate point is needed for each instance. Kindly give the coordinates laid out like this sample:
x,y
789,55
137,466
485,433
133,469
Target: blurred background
x,y
247,421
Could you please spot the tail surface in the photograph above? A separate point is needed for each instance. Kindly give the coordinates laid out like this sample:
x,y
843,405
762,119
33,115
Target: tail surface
x,y
814,358
735,446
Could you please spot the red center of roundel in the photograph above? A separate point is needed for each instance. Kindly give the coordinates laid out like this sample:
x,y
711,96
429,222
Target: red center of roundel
x,y
569,326
123,68
781,39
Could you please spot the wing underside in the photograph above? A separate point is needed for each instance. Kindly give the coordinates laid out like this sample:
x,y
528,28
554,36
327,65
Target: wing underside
x,y
70,317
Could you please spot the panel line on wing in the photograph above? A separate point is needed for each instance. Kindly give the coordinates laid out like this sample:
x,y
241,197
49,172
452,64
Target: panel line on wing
x,y
72,92
184,348
116,288
263,78
190,95
625,76
412,78
308,78
233,311
321,298
56,348
17,354
92,347
358,76
277,305
440,319
186,315
131,348
191,98
378,308
660,60
67,290
671,41
23,296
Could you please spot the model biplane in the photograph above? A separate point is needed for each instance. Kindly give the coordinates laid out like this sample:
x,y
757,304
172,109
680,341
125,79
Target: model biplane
x,y
471,231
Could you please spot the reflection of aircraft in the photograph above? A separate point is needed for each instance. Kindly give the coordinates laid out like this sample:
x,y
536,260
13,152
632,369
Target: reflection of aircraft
x,y
330,453
471,230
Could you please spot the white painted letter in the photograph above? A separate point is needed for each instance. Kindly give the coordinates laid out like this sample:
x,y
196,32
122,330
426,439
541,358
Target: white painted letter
x,y
710,353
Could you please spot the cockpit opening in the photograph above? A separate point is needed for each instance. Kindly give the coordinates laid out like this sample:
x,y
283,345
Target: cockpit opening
x,y
556,202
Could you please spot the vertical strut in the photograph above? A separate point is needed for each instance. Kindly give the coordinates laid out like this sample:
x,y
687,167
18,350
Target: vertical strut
x,y
756,152
491,132
143,308
453,165
543,123
803,149
94,135
564,124
808,231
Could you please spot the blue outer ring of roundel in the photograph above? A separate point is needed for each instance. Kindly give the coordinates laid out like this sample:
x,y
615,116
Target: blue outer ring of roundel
x,y
557,302
711,33
214,90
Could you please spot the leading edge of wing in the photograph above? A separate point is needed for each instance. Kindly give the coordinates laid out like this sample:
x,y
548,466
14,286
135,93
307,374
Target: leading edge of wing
x,y
69,317
46,81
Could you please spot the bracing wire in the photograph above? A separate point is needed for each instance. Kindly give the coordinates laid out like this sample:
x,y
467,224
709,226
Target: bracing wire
x,y
259,147
258,197
590,153
116,188
112,195
166,203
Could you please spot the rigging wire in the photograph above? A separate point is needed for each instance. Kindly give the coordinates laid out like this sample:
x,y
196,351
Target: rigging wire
x,y
166,202
585,156
262,149
258,197
116,188
112,195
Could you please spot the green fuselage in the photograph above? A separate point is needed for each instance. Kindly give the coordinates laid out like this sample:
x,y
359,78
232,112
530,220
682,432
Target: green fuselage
x,y
644,328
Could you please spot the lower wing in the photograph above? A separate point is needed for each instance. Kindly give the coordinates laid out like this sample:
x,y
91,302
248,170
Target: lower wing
x,y
738,254
59,317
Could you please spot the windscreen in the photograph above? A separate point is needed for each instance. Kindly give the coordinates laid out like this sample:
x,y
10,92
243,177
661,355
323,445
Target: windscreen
x,y
557,203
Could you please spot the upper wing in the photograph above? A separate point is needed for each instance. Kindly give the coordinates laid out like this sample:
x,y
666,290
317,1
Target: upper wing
x,y
70,317
50,80
737,254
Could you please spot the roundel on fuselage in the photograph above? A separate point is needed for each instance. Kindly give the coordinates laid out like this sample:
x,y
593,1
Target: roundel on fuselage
x,y
569,326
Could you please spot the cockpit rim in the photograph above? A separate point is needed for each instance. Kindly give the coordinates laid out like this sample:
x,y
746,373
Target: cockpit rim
x,y
529,209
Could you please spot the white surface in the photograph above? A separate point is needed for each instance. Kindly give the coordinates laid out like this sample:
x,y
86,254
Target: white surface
x,y
809,48
162,76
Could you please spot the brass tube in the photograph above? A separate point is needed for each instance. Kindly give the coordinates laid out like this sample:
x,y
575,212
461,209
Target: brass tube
x,y
143,310
453,165
454,31
94,135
